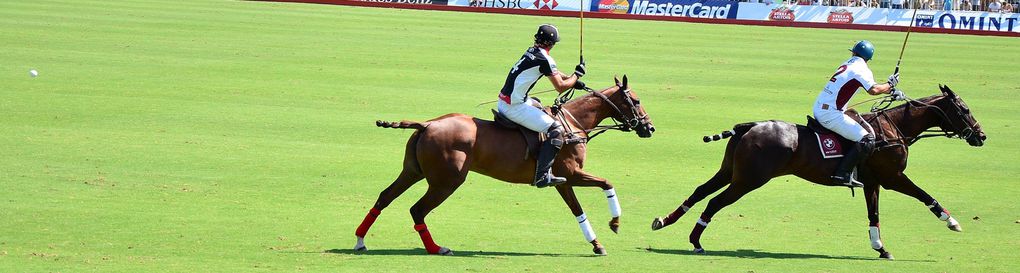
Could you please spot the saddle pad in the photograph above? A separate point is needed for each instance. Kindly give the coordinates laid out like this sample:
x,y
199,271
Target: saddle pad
x,y
830,145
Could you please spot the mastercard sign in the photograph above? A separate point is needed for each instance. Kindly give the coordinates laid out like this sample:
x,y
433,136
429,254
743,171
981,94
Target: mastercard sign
x,y
614,6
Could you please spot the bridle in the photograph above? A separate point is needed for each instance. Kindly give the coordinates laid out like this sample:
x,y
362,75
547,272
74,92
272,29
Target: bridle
x,y
620,120
956,131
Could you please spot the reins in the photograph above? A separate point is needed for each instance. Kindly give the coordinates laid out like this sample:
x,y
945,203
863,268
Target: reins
x,y
620,121
880,109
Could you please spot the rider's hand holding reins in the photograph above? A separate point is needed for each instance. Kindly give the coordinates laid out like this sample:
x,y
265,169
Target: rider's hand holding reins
x,y
897,95
579,85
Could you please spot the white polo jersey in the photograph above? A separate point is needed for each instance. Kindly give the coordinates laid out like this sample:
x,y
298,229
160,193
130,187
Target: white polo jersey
x,y
849,77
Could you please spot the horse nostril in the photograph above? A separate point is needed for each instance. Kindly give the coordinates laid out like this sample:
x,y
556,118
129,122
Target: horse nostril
x,y
983,137
651,129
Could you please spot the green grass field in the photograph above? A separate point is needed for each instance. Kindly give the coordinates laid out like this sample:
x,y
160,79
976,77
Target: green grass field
x,y
230,136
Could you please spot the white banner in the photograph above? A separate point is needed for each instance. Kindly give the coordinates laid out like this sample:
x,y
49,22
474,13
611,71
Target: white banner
x,y
966,20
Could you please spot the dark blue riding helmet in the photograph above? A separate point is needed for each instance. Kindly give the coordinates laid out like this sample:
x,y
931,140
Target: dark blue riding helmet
x,y
865,49
547,35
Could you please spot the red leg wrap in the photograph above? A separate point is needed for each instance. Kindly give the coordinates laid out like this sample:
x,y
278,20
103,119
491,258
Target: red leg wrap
x,y
426,239
367,223
676,214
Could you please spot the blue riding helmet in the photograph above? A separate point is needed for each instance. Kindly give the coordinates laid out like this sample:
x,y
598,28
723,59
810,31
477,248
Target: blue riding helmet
x,y
865,49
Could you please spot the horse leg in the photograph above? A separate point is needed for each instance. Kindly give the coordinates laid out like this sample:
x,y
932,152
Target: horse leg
x,y
583,179
871,191
444,177
582,220
403,181
433,197
736,190
719,180
901,183
410,174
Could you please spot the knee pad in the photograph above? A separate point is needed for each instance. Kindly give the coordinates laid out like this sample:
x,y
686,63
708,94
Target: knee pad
x,y
555,135
867,143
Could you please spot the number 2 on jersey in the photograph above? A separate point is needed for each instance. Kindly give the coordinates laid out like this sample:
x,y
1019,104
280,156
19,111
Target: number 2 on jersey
x,y
839,70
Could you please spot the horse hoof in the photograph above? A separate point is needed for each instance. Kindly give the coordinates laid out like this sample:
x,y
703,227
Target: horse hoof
x,y
699,251
614,225
953,225
599,251
444,252
360,245
885,255
657,223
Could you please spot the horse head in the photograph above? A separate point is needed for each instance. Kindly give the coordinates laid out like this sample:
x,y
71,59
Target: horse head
x,y
631,114
957,118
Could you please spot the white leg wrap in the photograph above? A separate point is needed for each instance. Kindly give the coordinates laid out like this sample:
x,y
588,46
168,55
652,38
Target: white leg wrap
x,y
944,216
876,239
702,223
589,233
614,203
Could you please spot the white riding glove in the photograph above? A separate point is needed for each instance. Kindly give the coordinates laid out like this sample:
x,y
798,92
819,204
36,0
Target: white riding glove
x,y
894,79
897,94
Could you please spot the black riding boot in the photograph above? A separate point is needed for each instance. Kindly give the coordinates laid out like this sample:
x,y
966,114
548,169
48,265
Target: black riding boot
x,y
546,154
854,156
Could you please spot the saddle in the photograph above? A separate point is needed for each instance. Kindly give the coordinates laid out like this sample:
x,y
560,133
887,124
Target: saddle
x,y
532,139
830,143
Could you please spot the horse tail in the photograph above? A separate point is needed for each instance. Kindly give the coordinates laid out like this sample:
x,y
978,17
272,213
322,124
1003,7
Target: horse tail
x,y
403,124
738,130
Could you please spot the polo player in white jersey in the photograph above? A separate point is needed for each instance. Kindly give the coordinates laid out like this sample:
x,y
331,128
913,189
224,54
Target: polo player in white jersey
x,y
515,104
831,102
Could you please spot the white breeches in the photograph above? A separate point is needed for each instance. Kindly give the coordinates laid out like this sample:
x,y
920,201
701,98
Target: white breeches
x,y
840,123
526,115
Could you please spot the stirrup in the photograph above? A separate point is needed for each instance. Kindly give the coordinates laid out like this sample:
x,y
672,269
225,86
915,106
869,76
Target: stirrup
x,y
549,180
847,181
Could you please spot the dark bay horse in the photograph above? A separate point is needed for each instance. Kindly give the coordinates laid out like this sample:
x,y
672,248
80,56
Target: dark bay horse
x,y
760,151
444,149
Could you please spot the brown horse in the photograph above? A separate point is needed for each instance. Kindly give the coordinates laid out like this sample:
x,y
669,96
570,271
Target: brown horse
x,y
444,149
760,151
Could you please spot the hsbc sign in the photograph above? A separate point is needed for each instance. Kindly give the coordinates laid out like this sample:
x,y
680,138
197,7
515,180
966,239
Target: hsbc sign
x,y
546,4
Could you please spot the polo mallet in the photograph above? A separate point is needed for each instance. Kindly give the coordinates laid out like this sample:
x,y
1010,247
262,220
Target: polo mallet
x,y
581,37
911,25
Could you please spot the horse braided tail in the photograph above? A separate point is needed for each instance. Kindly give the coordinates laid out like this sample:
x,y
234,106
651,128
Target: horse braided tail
x,y
738,130
403,124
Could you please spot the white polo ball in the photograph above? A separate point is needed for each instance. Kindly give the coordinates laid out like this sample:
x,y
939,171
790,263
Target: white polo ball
x,y
33,73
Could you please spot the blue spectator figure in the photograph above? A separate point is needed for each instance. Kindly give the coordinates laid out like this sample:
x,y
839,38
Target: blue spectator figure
x,y
947,5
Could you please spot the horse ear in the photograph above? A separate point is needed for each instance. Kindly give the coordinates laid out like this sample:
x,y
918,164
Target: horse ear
x,y
624,81
617,80
947,91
